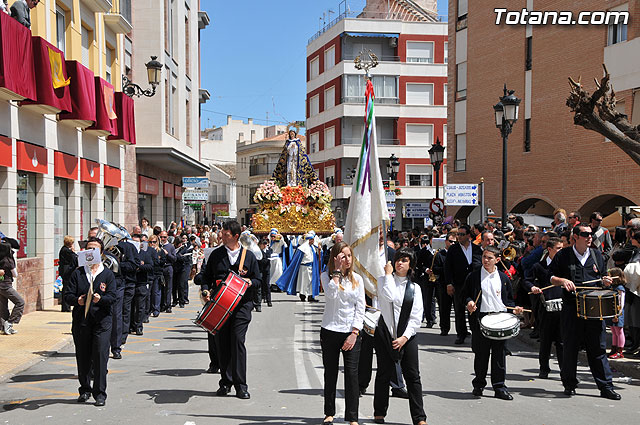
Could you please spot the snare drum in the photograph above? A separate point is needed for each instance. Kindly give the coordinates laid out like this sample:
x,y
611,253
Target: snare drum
x,y
597,304
215,313
500,326
553,305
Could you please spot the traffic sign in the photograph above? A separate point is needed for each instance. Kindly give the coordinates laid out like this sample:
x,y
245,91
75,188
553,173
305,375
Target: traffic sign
x,y
201,182
195,195
461,194
436,206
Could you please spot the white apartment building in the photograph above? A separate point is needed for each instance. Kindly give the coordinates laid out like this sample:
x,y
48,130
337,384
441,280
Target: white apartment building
x,y
410,83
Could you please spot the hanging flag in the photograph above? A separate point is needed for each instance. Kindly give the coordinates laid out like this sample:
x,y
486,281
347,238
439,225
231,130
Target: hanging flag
x,y
109,102
367,214
57,77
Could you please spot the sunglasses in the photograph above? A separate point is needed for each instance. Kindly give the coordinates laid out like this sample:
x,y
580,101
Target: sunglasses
x,y
586,234
597,219
462,234
451,240
153,241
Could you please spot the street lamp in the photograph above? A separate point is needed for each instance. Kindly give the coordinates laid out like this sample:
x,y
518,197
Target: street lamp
x,y
393,167
154,71
506,114
436,156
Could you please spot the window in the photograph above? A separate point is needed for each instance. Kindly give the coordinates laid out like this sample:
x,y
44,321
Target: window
x,y
446,52
617,33
461,153
329,58
187,124
110,54
60,213
168,213
26,194
60,29
87,40
385,88
420,51
314,68
462,9
329,137
528,46
330,98
313,142
108,203
444,95
314,105
187,44
527,135
419,94
87,192
173,114
167,106
461,81
127,57
444,135
329,176
419,135
144,206
418,175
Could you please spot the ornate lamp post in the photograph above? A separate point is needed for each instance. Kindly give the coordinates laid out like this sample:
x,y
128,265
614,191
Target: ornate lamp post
x,y
506,112
154,71
393,167
436,155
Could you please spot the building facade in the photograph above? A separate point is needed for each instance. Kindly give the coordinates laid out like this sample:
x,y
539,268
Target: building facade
x,y
256,161
551,163
410,83
168,123
64,128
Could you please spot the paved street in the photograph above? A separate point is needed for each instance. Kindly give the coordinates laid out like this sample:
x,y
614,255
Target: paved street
x,y
161,380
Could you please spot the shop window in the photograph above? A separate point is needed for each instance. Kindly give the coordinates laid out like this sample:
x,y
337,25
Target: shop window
x,y
26,194
86,197
60,213
109,196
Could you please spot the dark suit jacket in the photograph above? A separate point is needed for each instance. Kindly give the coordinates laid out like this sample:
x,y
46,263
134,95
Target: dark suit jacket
x,y
171,255
99,313
539,276
424,259
438,266
21,13
472,288
456,268
218,267
130,262
68,262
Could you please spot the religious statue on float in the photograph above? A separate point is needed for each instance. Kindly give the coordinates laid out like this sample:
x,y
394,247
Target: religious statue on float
x,y
294,167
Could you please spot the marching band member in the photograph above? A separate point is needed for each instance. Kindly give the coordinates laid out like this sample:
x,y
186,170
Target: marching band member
x,y
91,327
573,266
400,301
492,290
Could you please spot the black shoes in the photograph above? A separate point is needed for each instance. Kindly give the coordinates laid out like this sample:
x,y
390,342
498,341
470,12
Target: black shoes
x,y
459,341
100,401
243,395
117,355
213,369
312,300
269,304
378,420
168,310
83,397
569,391
303,297
503,394
399,393
258,308
223,390
610,394
139,332
181,305
444,333
429,325
543,375
362,391
156,314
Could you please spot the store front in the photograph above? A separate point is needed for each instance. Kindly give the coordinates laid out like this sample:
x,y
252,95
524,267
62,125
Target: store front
x,y
147,189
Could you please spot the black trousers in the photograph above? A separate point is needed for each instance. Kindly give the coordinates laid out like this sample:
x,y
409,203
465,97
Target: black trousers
x,y
445,302
331,344
127,308
264,294
167,288
116,318
459,305
92,354
537,309
592,334
550,333
139,307
231,350
155,294
181,286
214,363
409,363
365,365
429,301
483,348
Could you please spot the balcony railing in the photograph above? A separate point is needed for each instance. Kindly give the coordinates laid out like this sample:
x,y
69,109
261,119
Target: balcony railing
x,y
358,141
119,17
260,169
379,100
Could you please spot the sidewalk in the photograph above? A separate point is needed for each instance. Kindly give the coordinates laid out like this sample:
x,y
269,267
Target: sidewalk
x,y
628,367
40,334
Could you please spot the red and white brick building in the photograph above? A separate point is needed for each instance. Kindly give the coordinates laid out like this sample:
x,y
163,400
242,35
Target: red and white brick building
x,y
410,83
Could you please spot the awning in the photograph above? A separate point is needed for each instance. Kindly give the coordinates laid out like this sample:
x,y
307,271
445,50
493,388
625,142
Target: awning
x,y
172,160
65,165
6,151
83,96
17,76
124,131
371,34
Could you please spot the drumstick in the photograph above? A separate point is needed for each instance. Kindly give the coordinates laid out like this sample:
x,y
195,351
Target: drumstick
x,y
524,309
578,287
476,301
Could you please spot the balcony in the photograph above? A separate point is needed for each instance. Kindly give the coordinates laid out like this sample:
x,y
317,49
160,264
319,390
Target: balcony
x,y
358,141
203,20
98,6
379,100
119,18
260,169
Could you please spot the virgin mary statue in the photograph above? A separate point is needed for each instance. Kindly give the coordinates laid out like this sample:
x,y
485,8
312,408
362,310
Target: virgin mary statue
x,y
294,167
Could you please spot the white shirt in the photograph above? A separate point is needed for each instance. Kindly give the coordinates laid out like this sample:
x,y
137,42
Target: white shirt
x,y
390,297
581,257
92,276
548,259
467,252
344,309
233,255
491,292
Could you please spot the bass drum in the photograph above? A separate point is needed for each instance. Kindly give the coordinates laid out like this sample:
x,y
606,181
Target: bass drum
x,y
215,313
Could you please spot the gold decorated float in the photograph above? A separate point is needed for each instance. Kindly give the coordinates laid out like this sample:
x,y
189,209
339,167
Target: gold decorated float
x,y
293,201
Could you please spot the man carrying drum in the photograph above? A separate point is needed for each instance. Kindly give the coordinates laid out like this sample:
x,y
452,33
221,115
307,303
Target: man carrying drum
x,y
576,267
230,339
488,290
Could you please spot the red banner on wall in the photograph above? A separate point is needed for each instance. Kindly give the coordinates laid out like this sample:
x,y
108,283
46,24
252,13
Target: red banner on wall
x,y
112,176
65,166
6,157
31,158
147,185
177,192
89,171
167,191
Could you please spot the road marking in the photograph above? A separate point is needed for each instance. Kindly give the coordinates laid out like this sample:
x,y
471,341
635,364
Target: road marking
x,y
298,358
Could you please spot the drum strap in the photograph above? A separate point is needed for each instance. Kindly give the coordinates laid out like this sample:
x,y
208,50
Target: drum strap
x,y
407,305
242,256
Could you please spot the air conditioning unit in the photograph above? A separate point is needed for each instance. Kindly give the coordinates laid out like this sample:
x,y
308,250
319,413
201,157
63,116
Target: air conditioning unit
x,y
393,42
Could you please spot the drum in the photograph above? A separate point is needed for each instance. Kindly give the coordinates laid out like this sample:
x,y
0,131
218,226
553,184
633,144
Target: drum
x,y
597,304
215,313
371,319
500,326
553,305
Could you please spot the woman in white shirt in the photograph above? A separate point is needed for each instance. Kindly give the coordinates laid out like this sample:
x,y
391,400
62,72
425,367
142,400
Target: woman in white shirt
x,y
395,335
341,325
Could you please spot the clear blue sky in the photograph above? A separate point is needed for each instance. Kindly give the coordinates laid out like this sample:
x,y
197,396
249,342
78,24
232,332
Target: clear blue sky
x,y
253,57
